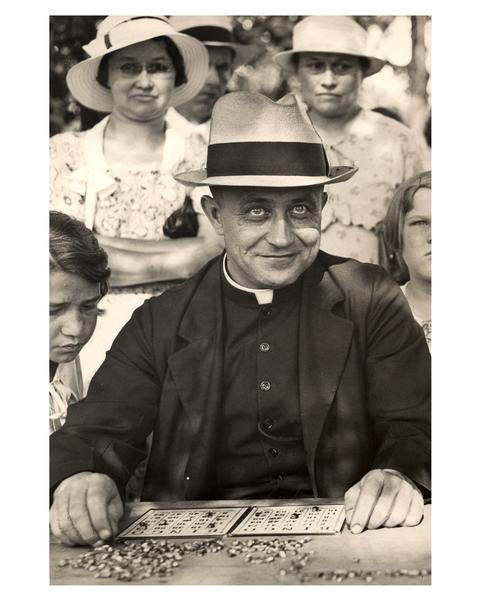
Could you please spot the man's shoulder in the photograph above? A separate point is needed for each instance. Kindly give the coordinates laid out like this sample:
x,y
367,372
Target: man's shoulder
x,y
176,297
355,278
342,266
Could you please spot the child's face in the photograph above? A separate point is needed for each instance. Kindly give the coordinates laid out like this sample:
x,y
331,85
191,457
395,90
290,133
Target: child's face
x,y
417,236
73,314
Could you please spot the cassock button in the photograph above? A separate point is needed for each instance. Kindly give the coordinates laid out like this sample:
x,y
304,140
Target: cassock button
x,y
265,386
274,451
268,424
264,347
267,311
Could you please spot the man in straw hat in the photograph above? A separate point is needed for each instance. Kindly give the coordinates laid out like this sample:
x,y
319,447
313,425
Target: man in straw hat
x,y
224,55
276,371
327,64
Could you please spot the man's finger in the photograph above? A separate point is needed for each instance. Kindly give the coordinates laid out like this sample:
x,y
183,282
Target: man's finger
x,y
415,512
65,523
115,512
350,499
370,489
79,515
385,502
401,506
98,497
55,526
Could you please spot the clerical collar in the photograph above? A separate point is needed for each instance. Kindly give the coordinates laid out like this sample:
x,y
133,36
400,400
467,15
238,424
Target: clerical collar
x,y
263,296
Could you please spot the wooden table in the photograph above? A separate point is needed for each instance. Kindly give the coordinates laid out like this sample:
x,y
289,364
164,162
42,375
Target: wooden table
x,y
383,549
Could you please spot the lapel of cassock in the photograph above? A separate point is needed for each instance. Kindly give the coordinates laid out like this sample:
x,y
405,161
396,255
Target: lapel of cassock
x,y
197,371
324,342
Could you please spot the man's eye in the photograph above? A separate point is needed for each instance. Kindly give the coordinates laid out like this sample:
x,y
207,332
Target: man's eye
x,y
257,212
300,210
55,310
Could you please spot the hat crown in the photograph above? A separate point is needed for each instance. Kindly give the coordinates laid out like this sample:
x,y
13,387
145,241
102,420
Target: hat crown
x,y
125,30
330,34
251,117
180,23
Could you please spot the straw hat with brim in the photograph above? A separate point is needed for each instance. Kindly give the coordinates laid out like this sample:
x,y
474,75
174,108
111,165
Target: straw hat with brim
x,y
255,141
336,35
214,32
119,32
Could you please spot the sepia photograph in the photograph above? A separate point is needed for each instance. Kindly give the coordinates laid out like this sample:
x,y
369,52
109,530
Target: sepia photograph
x,y
240,276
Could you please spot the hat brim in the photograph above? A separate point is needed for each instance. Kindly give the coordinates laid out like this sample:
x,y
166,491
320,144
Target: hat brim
x,y
243,54
284,59
84,87
199,177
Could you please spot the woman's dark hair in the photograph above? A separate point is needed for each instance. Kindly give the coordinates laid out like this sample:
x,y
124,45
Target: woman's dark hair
x,y
74,249
172,51
363,60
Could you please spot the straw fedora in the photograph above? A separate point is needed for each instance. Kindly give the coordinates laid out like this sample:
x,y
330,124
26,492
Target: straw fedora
x,y
118,32
339,35
214,32
255,141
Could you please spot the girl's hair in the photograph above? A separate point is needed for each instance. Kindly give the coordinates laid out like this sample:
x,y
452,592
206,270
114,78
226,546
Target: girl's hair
x,y
401,204
74,249
172,51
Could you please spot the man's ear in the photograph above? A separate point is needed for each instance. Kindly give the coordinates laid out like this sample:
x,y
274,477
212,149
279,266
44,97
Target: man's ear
x,y
324,198
212,210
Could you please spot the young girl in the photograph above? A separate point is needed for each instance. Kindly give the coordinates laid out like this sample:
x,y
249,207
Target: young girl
x,y
408,232
78,280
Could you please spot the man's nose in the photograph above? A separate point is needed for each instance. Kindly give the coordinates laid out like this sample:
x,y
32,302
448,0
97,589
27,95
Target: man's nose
x,y
280,233
212,77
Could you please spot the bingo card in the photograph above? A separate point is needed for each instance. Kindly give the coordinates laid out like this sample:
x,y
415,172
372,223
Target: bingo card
x,y
196,522
291,520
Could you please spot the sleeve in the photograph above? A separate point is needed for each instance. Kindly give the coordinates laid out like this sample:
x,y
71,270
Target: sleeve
x,y
107,431
399,381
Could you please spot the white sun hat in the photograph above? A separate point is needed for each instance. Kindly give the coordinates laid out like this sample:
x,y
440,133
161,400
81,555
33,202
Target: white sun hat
x,y
336,35
117,32
216,32
255,141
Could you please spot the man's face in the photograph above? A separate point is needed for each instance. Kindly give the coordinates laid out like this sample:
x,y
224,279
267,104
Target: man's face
x,y
272,235
330,83
199,109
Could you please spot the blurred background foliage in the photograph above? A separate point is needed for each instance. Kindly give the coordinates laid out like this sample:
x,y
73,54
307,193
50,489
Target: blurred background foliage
x,y
403,86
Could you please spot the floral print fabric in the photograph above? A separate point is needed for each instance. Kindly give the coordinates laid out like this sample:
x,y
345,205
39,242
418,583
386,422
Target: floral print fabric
x,y
386,153
132,201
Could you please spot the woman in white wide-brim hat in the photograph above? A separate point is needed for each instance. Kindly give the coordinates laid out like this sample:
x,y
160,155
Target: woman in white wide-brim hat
x,y
327,64
117,176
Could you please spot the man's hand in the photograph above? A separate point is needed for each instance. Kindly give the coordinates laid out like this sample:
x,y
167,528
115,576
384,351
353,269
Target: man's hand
x,y
383,498
86,509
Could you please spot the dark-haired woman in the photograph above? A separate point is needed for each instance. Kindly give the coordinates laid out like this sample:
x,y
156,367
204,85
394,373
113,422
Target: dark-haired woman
x,y
117,176
78,280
